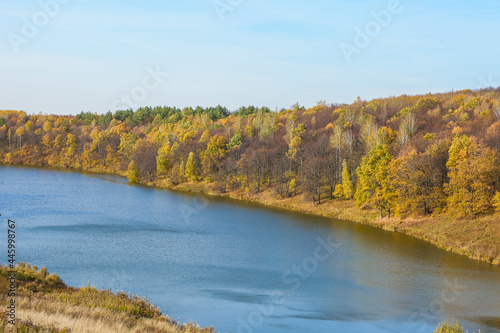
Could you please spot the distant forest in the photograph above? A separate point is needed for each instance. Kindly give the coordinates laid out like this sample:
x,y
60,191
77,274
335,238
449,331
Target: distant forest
x,y
404,156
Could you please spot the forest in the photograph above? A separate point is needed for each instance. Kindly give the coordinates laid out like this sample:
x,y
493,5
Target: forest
x,y
403,156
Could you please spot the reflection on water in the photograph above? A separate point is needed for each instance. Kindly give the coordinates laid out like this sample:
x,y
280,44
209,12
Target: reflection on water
x,y
241,267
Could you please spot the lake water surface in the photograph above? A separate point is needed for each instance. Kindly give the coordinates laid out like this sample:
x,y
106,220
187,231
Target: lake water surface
x,y
240,267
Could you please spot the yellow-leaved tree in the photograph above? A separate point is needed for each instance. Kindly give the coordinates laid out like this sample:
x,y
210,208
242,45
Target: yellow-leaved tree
x,y
191,170
133,172
213,155
347,186
375,186
418,183
162,161
496,201
20,132
474,172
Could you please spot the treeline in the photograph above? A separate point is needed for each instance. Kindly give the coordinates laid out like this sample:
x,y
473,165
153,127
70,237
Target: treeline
x,y
406,155
162,115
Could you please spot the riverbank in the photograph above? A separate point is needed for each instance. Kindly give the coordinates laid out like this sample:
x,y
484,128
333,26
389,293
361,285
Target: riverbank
x,y
477,238
45,304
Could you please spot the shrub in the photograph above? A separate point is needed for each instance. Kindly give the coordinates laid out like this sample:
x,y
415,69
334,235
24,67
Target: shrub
x,y
496,201
453,327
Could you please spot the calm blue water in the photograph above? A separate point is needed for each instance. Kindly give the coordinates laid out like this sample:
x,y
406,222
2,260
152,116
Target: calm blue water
x,y
240,267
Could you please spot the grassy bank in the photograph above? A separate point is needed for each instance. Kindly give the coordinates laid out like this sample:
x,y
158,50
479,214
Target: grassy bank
x,y
477,238
45,304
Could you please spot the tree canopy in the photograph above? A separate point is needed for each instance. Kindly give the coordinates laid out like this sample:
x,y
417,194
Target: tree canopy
x,y
405,155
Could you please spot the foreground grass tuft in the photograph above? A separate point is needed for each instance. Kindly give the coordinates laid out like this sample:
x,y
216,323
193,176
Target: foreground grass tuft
x,y
453,327
44,304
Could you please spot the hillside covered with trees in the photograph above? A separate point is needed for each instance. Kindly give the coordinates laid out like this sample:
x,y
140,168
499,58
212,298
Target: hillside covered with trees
x,y
406,156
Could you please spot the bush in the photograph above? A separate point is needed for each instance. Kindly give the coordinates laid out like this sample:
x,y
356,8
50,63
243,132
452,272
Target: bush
x,y
446,327
496,201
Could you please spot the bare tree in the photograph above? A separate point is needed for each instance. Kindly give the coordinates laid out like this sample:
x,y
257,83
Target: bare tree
x,y
408,128
496,112
337,142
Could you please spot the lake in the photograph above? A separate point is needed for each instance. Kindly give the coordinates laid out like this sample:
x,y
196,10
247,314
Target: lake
x,y
237,266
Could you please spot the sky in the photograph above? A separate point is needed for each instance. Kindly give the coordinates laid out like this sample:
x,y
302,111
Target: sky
x,y
68,56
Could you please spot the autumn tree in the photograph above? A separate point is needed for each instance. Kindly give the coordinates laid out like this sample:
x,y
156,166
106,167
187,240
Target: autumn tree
x,y
20,132
268,126
337,144
29,126
294,141
374,180
47,126
315,164
133,172
417,182
162,160
258,121
474,176
345,189
144,157
257,162
215,152
191,171
407,128
370,133
227,173
9,135
71,143
182,170
496,201
249,130
205,137
244,170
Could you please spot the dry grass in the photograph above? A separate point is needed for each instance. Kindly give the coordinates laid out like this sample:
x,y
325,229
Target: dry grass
x,y
339,209
45,304
477,238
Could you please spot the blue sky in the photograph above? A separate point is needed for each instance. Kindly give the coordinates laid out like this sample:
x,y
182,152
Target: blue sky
x,y
88,55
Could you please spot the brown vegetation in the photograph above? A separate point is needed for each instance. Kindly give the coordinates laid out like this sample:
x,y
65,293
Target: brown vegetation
x,y
45,304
